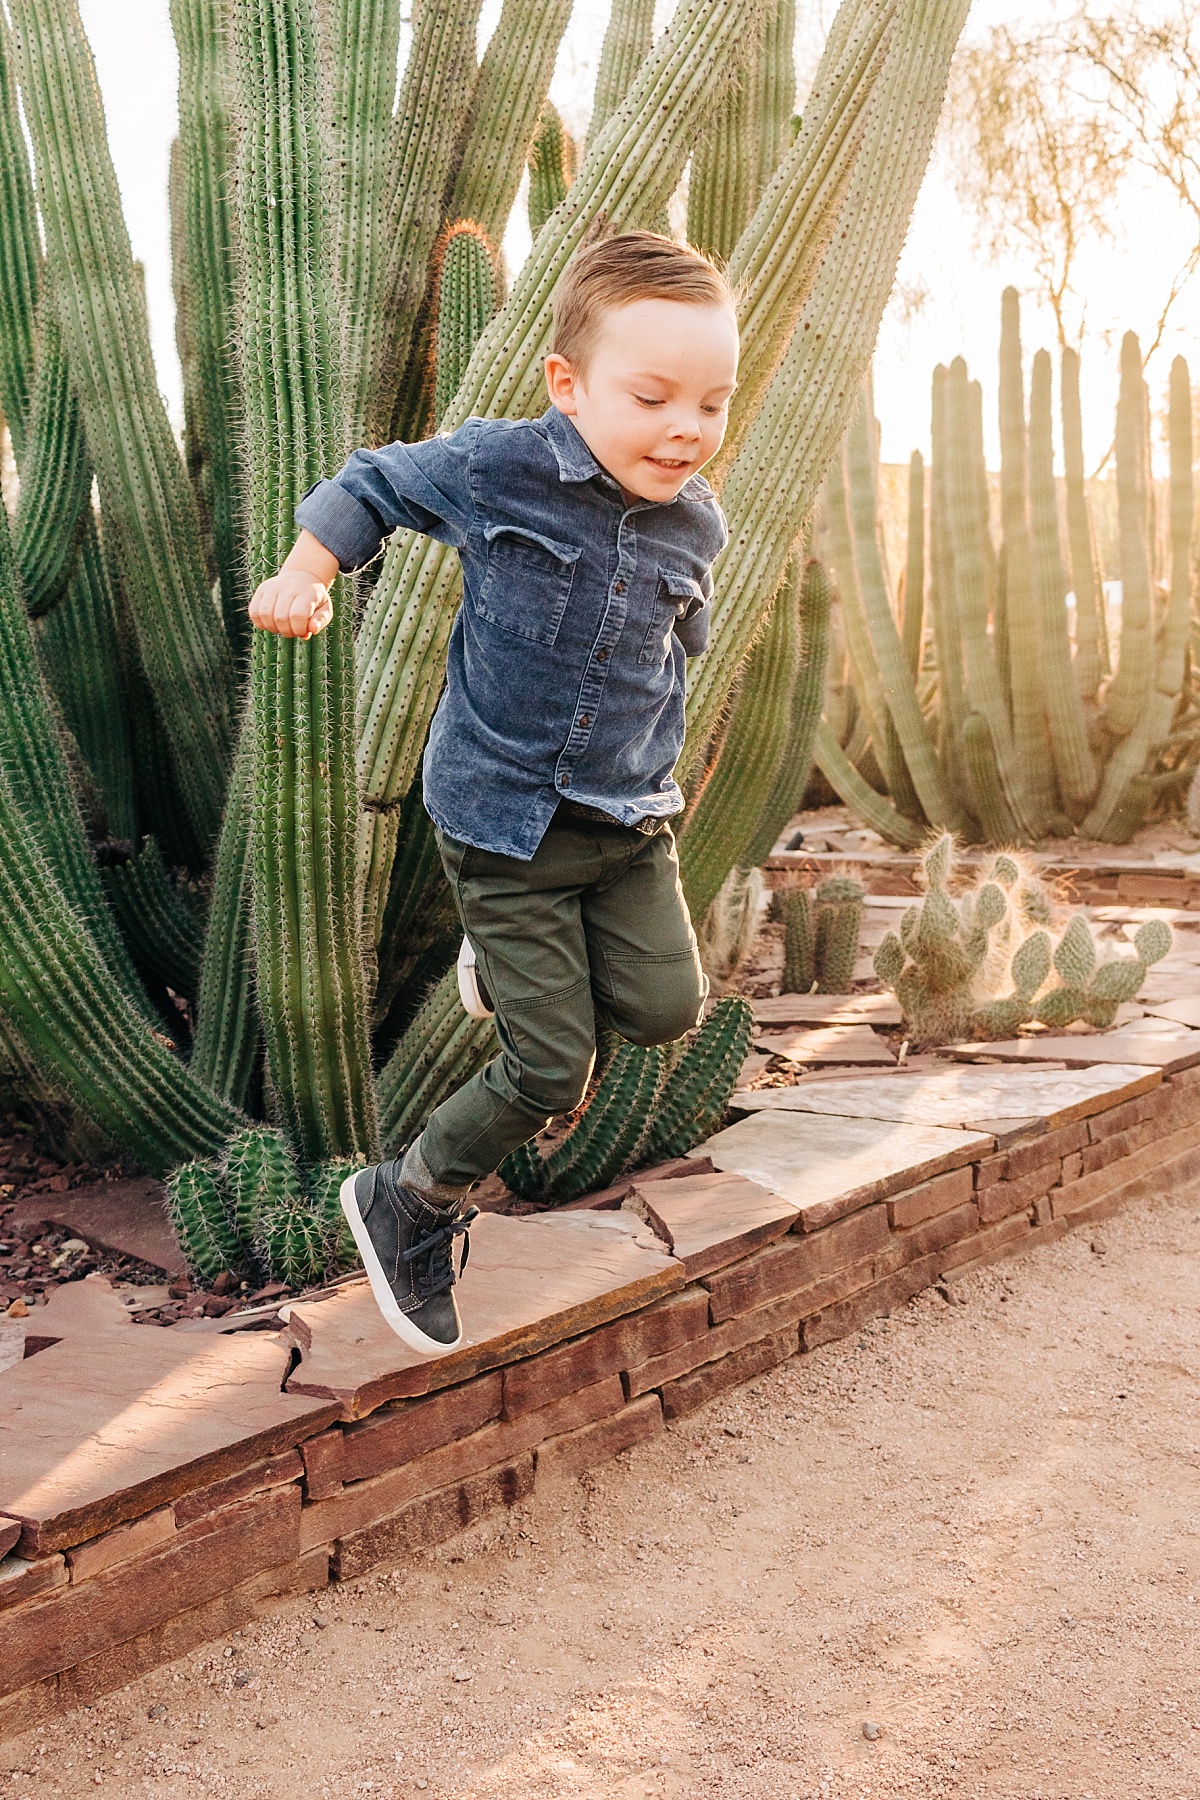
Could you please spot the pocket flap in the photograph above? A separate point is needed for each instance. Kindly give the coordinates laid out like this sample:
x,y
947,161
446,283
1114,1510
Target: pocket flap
x,y
682,589
566,553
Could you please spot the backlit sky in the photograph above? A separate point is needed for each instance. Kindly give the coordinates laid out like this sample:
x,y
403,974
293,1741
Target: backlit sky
x,y
1124,280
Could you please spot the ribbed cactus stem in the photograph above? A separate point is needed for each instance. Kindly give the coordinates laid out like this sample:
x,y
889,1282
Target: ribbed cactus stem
x,y
839,913
464,299
864,671
627,42
1026,689
258,1174
694,1095
932,788
161,931
205,274
147,500
434,93
912,629
1091,626
971,589
442,1048
786,793
872,808
228,1034
723,185
799,942
304,804
988,801
84,651
196,1205
606,1138
1135,668
551,167
718,830
20,257
54,509
952,702
1073,759
777,90
509,91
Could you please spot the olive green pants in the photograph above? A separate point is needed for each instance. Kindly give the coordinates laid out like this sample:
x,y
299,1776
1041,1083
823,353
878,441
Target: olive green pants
x,y
594,926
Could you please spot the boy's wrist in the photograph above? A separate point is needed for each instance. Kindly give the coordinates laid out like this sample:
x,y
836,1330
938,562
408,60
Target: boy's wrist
x,y
308,556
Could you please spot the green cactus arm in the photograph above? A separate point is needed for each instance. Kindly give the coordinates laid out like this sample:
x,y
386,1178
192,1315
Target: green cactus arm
x,y
988,799
799,943
839,927
510,88
551,167
636,161
1135,665
20,257
695,1094
970,592
162,933
308,954
1173,644
952,700
203,268
1021,615
777,97
613,1127
900,696
1091,626
523,1172
1075,953
196,1205
464,299
1073,760
361,44
442,1048
85,659
419,916
864,672
627,42
257,1173
1152,940
228,1036
913,622
723,184
786,793
56,481
872,808
718,829
294,1241
79,1028
144,490
430,111
773,481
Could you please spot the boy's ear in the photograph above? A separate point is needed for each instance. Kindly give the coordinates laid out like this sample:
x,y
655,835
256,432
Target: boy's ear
x,y
560,384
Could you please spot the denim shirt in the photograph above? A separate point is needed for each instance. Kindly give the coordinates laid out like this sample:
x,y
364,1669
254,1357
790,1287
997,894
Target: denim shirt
x,y
565,670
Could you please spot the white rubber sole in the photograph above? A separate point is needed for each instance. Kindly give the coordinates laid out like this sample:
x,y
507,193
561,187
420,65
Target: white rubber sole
x,y
468,985
385,1300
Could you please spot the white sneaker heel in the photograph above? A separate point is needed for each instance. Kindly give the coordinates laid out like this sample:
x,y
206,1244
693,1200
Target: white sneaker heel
x,y
477,1002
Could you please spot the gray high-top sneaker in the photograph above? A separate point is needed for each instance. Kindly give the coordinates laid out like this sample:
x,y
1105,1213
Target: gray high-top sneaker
x,y
406,1242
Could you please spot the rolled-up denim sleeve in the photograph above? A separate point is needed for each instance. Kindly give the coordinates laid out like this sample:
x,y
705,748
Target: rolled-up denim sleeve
x,y
424,487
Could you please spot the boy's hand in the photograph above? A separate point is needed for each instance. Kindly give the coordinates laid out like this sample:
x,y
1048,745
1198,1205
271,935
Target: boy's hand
x,y
291,604
296,603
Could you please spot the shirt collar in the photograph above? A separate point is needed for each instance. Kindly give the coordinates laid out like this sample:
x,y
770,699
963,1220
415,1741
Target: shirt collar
x,y
576,462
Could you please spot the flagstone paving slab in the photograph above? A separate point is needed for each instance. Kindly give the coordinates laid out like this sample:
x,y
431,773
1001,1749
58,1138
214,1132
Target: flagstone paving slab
x,y
828,1009
530,1282
713,1219
104,1425
1182,1011
833,1044
1170,1054
830,1166
964,1096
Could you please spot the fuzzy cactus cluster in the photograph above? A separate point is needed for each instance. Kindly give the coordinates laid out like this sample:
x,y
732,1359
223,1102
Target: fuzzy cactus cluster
x,y
989,958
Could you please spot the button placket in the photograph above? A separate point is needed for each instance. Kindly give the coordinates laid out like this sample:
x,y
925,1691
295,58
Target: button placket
x,y
591,688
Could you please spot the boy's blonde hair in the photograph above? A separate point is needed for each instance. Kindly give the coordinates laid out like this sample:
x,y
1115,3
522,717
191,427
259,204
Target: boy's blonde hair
x,y
613,271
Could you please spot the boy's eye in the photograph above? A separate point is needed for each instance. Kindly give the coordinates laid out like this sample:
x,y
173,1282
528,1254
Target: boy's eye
x,y
647,400
716,409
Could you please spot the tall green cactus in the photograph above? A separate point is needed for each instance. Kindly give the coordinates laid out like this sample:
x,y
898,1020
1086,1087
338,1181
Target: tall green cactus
x,y
203,272
54,510
626,46
551,167
106,337
21,259
1064,709
740,152
1091,630
785,795
304,805
912,628
442,1048
464,299
1135,668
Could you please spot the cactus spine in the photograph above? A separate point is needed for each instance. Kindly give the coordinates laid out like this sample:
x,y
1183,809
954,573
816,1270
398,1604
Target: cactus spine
x,y
551,167
303,807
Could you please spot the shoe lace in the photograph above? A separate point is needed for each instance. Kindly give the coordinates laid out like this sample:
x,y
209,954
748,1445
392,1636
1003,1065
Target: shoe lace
x,y
438,1251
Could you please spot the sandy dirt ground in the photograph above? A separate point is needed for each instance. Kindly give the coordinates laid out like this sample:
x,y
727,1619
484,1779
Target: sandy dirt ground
x,y
956,1555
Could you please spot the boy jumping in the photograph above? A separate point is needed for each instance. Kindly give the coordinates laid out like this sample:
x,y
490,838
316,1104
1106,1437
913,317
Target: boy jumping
x,y
586,539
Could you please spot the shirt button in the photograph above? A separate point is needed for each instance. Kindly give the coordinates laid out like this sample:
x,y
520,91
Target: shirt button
x,y
619,588
602,656
564,781
584,720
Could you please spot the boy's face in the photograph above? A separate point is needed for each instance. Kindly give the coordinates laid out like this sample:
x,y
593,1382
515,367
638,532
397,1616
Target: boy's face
x,y
652,403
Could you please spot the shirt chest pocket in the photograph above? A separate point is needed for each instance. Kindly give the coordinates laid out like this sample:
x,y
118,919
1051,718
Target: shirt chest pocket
x,y
675,596
527,582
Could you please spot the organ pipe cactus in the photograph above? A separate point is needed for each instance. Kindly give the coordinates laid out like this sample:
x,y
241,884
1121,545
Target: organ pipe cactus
x,y
464,299
305,211
551,167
